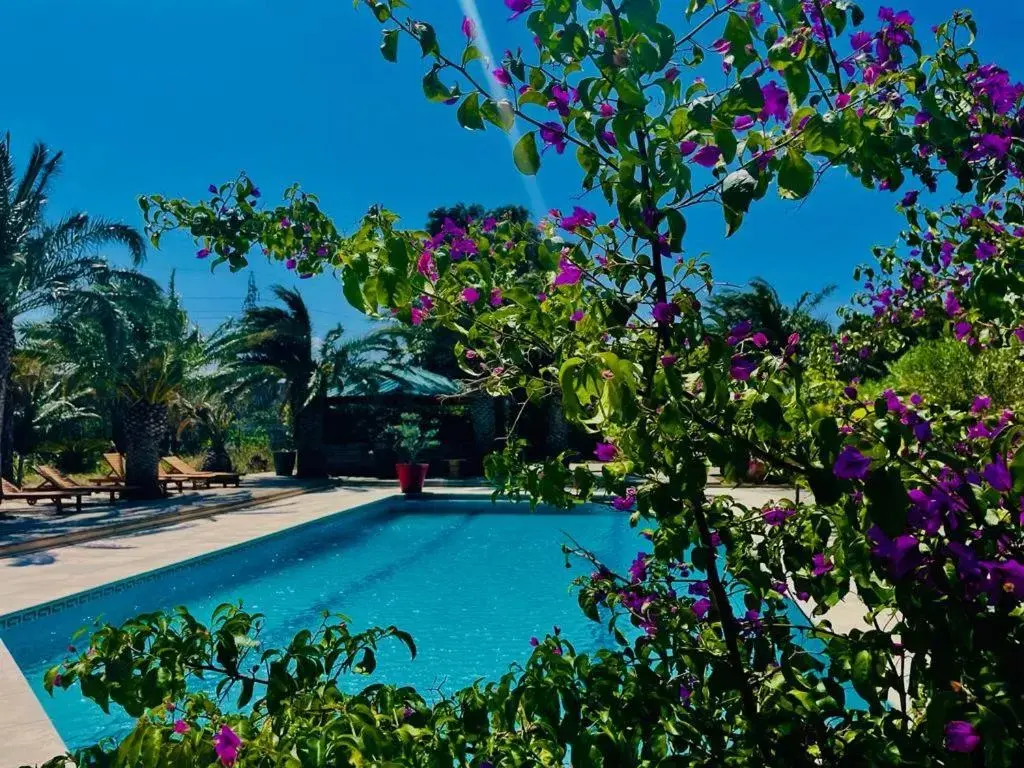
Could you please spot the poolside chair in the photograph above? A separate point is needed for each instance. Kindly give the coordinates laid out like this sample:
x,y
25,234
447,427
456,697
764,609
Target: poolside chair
x,y
116,474
54,479
182,467
13,492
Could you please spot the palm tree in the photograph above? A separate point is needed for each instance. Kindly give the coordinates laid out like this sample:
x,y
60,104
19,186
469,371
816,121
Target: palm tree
x,y
137,347
273,348
762,306
45,399
42,261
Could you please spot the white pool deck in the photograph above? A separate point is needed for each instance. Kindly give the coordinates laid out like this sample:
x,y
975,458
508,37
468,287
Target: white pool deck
x,y
27,736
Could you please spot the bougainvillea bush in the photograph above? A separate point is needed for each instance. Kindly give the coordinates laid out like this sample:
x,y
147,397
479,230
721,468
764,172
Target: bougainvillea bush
x,y
916,512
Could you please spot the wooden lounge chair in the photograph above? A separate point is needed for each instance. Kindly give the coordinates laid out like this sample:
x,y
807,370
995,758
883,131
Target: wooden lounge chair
x,y
54,479
13,492
182,467
116,474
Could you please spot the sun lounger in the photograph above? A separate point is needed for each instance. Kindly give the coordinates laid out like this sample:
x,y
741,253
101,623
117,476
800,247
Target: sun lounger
x,y
116,474
54,479
14,493
182,467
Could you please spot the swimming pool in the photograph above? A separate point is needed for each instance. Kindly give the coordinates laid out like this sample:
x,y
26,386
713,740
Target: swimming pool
x,y
471,581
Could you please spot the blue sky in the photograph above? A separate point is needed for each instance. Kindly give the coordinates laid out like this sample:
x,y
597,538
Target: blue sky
x,y
162,97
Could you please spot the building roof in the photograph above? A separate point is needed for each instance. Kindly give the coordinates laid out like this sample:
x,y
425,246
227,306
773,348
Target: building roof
x,y
408,380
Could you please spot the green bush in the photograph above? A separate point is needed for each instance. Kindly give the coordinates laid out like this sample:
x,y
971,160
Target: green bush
x,y
946,372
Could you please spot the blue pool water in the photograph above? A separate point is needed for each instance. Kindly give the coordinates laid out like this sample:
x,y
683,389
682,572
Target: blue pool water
x,y
471,581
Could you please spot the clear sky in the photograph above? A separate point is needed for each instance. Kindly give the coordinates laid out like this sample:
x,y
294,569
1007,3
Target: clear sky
x,y
168,97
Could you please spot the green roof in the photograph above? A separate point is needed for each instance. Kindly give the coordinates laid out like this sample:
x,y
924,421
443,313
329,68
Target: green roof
x,y
409,380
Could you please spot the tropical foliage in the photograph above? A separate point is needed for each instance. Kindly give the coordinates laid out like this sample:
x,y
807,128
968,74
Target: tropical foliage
x,y
721,649
43,262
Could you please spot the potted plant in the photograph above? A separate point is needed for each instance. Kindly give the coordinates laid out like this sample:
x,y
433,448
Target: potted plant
x,y
281,447
411,438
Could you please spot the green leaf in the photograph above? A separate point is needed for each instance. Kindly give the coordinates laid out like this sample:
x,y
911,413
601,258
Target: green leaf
x,y
428,38
737,192
433,88
389,45
796,176
525,154
862,674
501,115
469,113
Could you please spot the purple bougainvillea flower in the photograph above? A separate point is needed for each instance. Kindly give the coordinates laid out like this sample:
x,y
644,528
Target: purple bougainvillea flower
x,y
742,123
212,189
624,503
607,110
985,251
638,568
962,330
910,199
843,100
541,297
518,7
180,726
701,607
760,340
226,744
562,99
255,192
667,361
665,312
417,315
820,565
951,304
707,156
721,46
600,33
981,403
739,332
202,253
290,264
742,367
468,28
685,694
568,273
463,248
534,642
961,736
496,298
671,74
775,516
489,224
997,475
553,135
901,555
860,40
502,76
470,295
427,267
776,103
851,464
606,451
286,223
922,118
580,217
609,138
686,148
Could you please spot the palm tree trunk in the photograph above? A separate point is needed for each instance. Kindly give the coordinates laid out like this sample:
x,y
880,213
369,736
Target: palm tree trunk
x,y
485,425
311,459
145,425
7,439
6,352
557,439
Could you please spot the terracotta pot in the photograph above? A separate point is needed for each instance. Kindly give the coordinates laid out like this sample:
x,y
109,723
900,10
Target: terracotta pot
x,y
411,477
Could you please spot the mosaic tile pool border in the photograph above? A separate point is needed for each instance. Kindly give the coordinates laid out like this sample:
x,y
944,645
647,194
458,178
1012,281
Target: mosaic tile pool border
x,y
49,608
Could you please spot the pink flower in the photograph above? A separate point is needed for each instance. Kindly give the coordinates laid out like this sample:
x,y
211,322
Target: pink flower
x,y
686,148
667,361
290,264
180,726
468,28
843,100
502,76
760,340
496,297
576,316
742,123
470,295
820,564
568,273
606,451
226,744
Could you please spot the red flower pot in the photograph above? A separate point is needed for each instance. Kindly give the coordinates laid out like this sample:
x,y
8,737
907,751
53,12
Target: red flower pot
x,y
411,477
